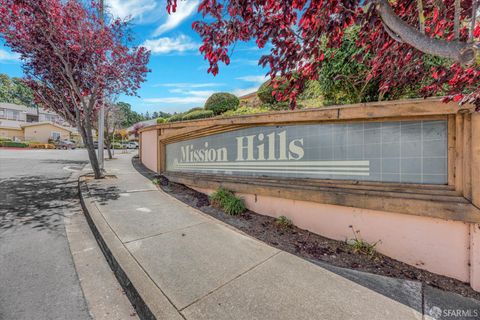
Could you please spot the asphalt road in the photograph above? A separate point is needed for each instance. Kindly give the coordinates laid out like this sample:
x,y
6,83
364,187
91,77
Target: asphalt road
x,y
37,275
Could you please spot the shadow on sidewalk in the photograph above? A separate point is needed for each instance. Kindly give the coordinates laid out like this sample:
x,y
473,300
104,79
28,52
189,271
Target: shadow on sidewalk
x,y
37,201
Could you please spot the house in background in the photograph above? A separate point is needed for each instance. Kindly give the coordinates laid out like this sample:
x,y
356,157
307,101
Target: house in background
x,y
22,123
45,131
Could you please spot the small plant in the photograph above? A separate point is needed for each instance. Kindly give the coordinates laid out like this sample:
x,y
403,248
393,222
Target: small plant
x,y
359,246
219,197
284,222
156,181
234,206
226,200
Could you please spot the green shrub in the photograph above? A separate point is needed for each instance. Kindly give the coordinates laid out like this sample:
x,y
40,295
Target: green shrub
x,y
13,144
161,120
284,222
264,93
191,115
5,139
198,114
280,106
226,200
313,90
221,102
194,109
234,206
244,111
175,117
218,197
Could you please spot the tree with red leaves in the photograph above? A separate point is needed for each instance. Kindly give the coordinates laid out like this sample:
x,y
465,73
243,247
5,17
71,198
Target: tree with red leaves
x,y
398,35
72,60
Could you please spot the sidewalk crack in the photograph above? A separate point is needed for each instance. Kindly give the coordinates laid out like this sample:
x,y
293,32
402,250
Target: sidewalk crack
x,y
166,232
226,283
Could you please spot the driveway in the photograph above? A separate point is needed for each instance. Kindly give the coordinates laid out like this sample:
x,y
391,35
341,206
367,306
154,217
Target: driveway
x,y
37,275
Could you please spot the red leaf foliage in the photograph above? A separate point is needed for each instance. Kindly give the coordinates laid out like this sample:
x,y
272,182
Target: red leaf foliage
x,y
72,60
296,29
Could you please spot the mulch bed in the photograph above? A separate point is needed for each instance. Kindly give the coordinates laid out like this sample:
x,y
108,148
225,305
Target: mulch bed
x,y
312,246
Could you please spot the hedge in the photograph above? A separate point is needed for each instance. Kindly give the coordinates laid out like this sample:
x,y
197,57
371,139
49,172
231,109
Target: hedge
x,y
13,144
221,102
198,114
193,115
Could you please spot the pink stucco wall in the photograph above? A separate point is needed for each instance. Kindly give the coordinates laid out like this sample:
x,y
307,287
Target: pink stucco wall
x,y
149,149
436,245
475,256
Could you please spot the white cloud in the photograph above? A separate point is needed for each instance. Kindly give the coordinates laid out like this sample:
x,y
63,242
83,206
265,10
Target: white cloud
x,y
166,45
254,79
189,85
177,100
186,97
130,9
248,62
6,56
242,92
184,10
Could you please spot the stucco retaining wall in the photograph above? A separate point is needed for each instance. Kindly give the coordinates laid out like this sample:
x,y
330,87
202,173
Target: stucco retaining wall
x,y
433,227
149,149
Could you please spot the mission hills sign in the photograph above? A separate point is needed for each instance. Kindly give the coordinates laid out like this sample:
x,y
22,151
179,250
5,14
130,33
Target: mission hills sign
x,y
373,151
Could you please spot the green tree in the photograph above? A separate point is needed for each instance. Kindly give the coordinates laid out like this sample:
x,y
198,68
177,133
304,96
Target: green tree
x,y
130,117
14,90
345,76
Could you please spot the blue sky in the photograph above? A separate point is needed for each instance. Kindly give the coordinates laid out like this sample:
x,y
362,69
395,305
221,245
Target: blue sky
x,y
179,79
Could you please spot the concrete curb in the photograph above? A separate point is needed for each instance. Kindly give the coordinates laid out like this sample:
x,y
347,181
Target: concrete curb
x,y
147,299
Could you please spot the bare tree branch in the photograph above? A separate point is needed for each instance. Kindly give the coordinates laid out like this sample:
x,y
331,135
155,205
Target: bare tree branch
x,y
421,16
474,20
461,52
456,19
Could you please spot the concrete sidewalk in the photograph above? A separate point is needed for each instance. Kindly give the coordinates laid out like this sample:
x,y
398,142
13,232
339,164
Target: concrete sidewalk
x,y
177,262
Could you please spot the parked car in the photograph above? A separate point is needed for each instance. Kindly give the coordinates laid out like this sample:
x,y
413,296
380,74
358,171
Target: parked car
x,y
131,145
64,144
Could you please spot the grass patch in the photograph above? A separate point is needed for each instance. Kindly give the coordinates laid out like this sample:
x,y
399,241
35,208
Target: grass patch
x,y
226,200
284,222
359,246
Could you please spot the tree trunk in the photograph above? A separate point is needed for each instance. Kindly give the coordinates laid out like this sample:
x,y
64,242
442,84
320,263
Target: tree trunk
x,y
461,52
108,144
86,132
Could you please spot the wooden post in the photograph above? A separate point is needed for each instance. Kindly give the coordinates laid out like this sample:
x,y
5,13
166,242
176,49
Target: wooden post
x,y
467,156
459,153
475,159
451,149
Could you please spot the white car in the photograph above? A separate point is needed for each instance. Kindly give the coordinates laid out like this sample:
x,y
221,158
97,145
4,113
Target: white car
x,y
131,145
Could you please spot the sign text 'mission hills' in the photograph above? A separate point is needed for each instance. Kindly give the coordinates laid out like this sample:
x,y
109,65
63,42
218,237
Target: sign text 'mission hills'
x,y
402,151
250,148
